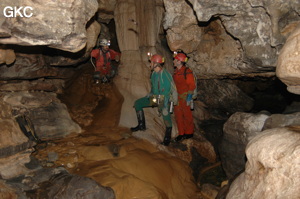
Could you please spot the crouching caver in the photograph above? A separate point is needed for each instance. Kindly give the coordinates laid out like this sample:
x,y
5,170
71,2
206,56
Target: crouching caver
x,y
104,70
158,97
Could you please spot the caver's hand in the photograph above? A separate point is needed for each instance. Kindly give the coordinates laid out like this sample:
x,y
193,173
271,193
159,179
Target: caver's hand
x,y
188,99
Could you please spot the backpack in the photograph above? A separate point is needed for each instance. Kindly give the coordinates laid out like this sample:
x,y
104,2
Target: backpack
x,y
195,92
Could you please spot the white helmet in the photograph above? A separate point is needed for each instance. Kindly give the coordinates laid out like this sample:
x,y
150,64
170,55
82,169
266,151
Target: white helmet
x,y
104,42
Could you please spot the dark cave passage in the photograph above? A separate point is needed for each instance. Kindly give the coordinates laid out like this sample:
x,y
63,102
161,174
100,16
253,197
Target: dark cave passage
x,y
269,94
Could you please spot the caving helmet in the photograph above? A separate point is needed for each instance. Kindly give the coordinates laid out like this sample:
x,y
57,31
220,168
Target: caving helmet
x,y
157,58
180,56
104,42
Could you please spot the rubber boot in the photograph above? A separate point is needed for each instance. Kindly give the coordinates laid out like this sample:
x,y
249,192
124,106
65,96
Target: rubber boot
x,y
179,138
96,77
141,122
188,136
167,138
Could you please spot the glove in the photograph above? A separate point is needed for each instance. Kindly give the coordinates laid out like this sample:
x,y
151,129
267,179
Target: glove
x,y
188,99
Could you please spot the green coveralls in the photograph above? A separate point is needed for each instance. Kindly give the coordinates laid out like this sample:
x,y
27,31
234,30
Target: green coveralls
x,y
160,85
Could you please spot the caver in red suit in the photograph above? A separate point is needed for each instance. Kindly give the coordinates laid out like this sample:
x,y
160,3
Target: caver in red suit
x,y
103,59
103,56
185,84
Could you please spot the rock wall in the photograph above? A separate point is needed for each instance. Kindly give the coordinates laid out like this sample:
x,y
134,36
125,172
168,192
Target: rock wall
x,y
230,37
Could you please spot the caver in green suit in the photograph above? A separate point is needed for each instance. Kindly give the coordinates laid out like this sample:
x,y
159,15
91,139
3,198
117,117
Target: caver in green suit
x,y
158,97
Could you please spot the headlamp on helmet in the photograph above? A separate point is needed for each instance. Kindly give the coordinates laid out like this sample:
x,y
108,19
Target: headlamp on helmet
x,y
149,56
105,42
180,56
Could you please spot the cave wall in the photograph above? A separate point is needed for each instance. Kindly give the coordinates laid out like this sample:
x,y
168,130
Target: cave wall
x,y
33,53
230,37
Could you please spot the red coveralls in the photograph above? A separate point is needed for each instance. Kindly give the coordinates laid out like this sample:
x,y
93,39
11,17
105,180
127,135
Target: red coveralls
x,y
183,115
103,60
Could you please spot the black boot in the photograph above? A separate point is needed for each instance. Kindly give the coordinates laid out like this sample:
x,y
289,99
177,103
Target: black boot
x,y
96,77
179,138
188,136
141,122
167,138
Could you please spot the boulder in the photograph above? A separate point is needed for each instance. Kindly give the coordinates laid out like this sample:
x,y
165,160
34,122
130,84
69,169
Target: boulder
x,y
272,169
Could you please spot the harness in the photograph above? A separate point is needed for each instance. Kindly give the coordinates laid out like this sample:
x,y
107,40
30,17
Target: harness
x,y
184,73
103,54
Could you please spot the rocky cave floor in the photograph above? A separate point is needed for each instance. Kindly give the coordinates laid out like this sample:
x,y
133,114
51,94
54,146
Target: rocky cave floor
x,y
110,155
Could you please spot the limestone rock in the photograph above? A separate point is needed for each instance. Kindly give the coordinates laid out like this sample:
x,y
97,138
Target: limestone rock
x,y
60,58
282,120
272,169
209,191
238,131
65,185
266,31
51,183
182,27
6,191
288,63
186,150
292,108
58,25
48,115
217,54
53,121
44,85
15,147
230,37
106,10
7,56
222,99
14,165
31,66
11,138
